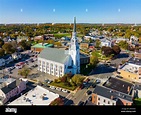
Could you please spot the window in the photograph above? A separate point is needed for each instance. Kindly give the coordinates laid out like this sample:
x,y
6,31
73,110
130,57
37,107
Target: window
x,y
108,102
113,104
98,103
128,75
104,101
98,98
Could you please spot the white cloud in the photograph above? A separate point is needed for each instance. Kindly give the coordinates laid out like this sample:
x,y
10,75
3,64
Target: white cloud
x,y
21,10
53,10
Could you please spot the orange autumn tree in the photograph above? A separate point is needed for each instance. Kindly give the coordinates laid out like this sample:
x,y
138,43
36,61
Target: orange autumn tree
x,y
57,101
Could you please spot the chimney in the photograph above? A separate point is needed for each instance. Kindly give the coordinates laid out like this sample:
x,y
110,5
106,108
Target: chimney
x,y
112,97
128,89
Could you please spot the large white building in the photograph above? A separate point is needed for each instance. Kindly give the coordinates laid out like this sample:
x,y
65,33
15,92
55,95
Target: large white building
x,y
36,96
58,62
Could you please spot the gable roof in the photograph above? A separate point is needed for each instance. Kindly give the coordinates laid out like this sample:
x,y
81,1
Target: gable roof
x,y
107,92
54,54
10,86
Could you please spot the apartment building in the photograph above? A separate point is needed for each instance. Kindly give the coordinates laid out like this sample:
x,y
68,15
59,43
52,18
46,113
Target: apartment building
x,y
131,70
113,92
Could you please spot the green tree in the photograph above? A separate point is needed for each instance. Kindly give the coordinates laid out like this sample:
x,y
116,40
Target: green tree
x,y
8,48
1,52
1,43
77,79
93,60
24,72
97,43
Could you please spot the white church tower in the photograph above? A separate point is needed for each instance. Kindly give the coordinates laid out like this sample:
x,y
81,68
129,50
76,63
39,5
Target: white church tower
x,y
74,50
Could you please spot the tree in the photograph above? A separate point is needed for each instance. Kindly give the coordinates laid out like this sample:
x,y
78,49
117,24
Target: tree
x,y
107,51
8,48
1,52
25,44
116,49
93,60
24,72
77,79
1,43
57,101
97,43
123,44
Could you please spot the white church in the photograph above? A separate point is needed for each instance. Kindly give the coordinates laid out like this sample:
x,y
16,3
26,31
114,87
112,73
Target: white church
x,y
58,62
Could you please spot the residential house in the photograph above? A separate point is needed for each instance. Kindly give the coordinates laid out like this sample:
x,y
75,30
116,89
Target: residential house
x,y
113,92
11,89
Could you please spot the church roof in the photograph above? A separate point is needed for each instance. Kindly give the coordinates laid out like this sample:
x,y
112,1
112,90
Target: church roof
x,y
54,54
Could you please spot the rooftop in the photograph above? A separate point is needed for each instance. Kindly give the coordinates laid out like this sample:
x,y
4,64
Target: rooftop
x,y
52,53
111,94
6,80
135,61
118,85
40,45
36,96
130,68
8,87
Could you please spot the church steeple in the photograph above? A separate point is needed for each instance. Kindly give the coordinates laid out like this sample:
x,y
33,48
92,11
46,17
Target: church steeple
x,y
74,26
74,50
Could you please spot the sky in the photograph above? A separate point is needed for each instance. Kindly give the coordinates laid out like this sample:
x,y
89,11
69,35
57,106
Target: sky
x,y
63,11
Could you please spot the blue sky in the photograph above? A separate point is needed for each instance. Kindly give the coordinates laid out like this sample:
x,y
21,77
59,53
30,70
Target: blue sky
x,y
63,11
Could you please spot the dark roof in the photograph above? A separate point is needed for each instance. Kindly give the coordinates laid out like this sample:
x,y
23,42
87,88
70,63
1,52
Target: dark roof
x,y
10,86
84,56
134,61
118,85
108,93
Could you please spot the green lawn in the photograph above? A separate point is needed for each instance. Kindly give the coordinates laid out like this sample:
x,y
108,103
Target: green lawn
x,y
63,86
137,101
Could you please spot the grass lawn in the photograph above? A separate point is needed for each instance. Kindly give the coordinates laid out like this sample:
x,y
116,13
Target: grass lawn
x,y
98,54
63,86
137,101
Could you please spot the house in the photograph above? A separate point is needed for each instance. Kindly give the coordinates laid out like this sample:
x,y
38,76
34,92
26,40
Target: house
x,y
40,46
113,92
105,42
10,87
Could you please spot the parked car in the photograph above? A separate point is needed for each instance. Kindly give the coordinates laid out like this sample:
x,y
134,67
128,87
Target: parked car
x,y
90,98
65,91
88,92
58,88
81,103
52,87
98,81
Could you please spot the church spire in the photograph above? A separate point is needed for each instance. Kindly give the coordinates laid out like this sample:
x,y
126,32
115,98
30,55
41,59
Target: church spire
x,y
74,26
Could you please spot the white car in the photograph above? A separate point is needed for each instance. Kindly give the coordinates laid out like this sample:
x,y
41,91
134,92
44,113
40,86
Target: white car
x,y
65,91
58,88
52,87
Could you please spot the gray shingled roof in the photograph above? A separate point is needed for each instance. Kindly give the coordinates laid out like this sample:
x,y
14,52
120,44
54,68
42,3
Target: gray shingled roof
x,y
11,86
106,92
54,54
